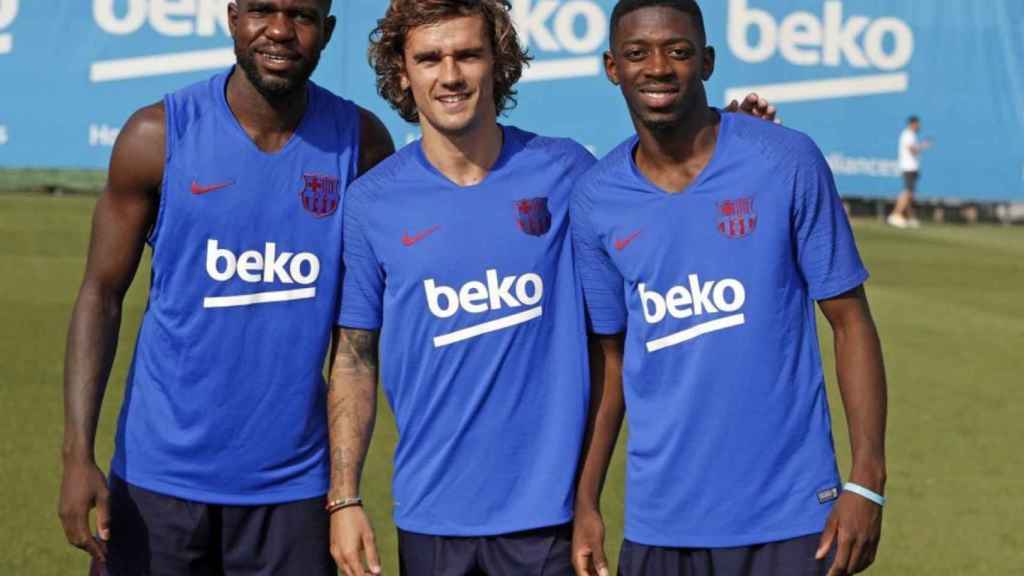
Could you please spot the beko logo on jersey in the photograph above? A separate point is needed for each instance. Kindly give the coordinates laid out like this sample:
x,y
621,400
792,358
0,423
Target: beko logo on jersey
x,y
831,40
566,36
695,300
168,18
475,297
8,12
268,266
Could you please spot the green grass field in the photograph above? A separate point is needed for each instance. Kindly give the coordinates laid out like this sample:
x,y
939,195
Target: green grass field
x,y
948,302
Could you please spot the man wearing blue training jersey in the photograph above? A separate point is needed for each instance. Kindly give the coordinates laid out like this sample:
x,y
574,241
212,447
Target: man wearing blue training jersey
x,y
702,244
456,261
236,183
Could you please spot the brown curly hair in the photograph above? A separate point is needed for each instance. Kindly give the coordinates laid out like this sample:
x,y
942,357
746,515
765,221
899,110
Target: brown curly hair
x,y
387,47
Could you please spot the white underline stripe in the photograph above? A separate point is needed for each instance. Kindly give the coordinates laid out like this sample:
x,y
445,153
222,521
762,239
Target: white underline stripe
x,y
161,64
562,68
824,89
695,331
259,298
489,326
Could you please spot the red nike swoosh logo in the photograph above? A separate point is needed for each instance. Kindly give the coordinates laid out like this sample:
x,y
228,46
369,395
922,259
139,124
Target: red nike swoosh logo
x,y
620,245
198,189
410,240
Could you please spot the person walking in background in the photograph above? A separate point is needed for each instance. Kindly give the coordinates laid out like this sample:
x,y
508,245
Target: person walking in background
x,y
911,146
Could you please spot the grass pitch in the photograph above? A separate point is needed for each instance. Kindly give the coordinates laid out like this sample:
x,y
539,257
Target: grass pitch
x,y
949,306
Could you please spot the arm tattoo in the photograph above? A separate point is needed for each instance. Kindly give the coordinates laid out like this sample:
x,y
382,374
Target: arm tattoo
x,y
351,407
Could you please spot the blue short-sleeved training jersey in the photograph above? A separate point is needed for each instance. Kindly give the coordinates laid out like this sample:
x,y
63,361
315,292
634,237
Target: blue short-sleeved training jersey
x,y
482,336
729,433
225,401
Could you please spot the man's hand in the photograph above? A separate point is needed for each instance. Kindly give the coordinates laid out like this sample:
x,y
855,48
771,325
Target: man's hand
x,y
82,488
855,527
352,539
755,106
588,544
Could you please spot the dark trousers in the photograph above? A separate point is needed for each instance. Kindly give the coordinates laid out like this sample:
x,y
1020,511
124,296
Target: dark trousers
x,y
155,534
540,552
786,558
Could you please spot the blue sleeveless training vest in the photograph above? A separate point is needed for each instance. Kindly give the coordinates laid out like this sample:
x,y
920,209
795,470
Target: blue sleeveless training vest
x,y
225,400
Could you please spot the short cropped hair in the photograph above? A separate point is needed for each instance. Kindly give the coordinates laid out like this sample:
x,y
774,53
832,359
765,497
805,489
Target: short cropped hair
x,y
387,47
624,7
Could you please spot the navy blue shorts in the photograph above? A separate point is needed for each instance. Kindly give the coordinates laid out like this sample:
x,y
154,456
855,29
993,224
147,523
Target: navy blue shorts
x,y
540,552
155,534
786,558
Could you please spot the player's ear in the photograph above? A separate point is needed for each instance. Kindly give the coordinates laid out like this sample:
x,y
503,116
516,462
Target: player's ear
x,y
610,69
232,17
329,23
403,76
708,65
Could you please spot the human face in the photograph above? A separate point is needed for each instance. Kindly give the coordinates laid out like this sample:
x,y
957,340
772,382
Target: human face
x,y
449,67
278,42
660,62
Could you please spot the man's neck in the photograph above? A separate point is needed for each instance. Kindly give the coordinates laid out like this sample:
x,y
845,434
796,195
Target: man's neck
x,y
672,156
269,123
465,158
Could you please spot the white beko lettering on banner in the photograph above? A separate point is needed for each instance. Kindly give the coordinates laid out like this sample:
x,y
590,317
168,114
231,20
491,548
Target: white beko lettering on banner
x,y
170,18
566,37
8,12
803,39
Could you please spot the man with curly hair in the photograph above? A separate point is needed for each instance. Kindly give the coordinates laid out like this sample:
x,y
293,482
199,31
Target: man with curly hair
x,y
457,269
457,266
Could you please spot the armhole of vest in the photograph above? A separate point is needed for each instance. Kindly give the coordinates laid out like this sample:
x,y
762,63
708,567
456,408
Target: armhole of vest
x,y
170,140
356,135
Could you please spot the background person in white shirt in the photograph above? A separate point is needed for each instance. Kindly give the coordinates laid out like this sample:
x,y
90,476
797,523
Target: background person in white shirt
x,y
902,215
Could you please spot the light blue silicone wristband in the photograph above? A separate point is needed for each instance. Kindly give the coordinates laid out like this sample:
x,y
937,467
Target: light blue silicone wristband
x,y
862,491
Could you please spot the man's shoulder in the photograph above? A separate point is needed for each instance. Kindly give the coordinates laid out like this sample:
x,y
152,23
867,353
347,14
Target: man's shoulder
x,y
775,144
391,173
332,100
565,149
609,169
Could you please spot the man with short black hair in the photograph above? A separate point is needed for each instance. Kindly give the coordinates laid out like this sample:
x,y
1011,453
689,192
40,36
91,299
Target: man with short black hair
x,y
236,184
702,244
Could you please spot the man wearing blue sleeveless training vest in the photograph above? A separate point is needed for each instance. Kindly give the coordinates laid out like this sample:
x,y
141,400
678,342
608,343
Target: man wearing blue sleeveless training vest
x,y
236,184
703,244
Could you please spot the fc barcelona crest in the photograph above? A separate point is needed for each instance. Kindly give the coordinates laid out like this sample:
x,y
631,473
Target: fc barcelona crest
x,y
533,216
736,218
320,195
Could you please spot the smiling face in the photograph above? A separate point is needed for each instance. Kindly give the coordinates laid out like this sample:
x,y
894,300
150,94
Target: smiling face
x,y
659,60
449,68
278,42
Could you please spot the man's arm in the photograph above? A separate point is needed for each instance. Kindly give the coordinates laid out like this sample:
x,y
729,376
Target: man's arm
x,y
604,421
856,523
351,413
123,216
374,141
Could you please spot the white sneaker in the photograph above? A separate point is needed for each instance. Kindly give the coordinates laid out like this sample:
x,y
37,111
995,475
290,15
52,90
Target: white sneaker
x,y
913,223
896,221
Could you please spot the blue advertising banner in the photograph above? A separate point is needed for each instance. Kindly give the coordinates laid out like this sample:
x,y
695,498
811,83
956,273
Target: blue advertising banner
x,y
847,72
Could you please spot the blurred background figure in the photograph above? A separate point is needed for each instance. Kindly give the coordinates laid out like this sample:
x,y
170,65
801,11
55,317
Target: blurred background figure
x,y
911,146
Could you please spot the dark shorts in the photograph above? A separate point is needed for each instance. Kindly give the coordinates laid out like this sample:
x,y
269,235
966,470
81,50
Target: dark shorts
x,y
910,180
786,558
155,534
540,552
